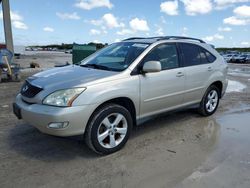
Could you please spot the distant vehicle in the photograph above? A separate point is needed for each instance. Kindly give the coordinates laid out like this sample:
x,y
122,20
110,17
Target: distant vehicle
x,y
233,52
112,89
68,52
28,49
247,59
228,57
240,59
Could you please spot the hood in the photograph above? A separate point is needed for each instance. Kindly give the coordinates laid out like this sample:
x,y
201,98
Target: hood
x,y
68,76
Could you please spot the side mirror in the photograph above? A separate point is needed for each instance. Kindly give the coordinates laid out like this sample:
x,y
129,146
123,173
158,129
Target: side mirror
x,y
151,66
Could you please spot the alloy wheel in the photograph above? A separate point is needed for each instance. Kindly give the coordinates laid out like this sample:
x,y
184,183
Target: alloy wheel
x,y
112,130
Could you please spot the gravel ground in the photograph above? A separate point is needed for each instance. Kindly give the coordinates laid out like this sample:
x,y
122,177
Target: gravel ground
x,y
178,149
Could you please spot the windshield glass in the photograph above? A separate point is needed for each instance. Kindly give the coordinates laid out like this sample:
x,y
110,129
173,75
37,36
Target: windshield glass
x,y
115,57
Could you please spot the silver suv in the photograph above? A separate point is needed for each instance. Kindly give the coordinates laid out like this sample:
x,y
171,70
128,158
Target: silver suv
x,y
105,95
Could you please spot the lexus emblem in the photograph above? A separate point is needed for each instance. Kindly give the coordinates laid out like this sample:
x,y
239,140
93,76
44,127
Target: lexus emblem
x,y
25,88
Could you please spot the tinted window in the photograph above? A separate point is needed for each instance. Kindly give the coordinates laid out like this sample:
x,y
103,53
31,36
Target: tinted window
x,y
166,54
190,54
203,57
209,57
195,55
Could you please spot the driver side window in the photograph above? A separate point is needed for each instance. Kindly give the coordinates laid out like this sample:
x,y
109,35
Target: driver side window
x,y
166,54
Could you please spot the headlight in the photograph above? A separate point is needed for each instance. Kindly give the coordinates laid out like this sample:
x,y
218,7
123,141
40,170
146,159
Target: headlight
x,y
63,97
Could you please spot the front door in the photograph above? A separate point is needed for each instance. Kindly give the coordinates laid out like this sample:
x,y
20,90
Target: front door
x,y
162,90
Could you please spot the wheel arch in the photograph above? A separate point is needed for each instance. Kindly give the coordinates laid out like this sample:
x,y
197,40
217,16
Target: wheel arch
x,y
122,101
219,85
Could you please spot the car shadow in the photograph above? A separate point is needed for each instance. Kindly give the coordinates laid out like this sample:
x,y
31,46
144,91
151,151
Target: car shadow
x,y
163,120
28,141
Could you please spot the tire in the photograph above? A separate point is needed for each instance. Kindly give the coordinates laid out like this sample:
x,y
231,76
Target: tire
x,y
210,101
112,124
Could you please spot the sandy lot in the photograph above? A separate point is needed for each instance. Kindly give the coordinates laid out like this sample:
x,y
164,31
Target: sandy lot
x,y
178,149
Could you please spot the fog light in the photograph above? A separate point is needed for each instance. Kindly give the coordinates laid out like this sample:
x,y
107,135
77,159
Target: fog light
x,y
58,125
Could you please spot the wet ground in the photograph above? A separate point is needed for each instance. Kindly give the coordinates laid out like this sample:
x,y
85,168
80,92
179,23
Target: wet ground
x,y
180,149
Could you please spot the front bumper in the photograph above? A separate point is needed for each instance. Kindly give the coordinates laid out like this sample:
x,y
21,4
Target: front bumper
x,y
40,116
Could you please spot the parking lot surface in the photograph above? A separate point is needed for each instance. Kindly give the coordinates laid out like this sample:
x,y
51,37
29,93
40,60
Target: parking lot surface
x,y
178,149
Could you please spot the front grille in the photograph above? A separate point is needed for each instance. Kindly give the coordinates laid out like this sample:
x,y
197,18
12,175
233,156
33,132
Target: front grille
x,y
29,90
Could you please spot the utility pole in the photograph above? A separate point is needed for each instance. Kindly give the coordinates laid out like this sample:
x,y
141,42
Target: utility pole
x,y
7,25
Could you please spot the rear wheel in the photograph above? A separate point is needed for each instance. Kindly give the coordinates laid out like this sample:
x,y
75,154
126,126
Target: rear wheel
x,y
210,101
108,129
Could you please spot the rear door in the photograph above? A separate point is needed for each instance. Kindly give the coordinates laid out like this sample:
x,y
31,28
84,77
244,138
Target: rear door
x,y
162,90
198,68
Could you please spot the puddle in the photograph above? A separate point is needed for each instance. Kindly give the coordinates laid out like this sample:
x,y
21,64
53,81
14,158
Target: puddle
x,y
235,86
241,72
229,165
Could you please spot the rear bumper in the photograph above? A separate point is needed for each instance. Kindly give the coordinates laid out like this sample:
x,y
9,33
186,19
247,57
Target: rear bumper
x,y
40,116
224,88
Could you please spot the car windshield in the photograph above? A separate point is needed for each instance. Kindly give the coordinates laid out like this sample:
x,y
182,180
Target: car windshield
x,y
115,57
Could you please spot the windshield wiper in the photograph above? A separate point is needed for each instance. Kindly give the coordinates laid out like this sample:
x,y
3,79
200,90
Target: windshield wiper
x,y
96,66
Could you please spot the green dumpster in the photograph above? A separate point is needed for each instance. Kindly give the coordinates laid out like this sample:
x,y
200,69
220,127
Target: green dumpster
x,y
81,51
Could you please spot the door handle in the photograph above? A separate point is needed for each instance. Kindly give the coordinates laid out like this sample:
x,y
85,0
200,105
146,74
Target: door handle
x,y
179,74
209,69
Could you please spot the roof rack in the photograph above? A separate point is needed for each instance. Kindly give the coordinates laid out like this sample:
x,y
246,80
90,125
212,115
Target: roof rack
x,y
133,38
166,38
179,37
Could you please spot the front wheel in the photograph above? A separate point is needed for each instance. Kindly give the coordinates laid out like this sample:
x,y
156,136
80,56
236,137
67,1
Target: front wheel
x,y
108,129
210,101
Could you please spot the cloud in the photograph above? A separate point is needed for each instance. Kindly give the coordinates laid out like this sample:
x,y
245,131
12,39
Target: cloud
x,y
194,7
125,32
68,16
163,20
221,4
106,21
117,40
96,22
213,37
48,29
111,21
224,29
16,19
184,31
159,31
137,24
19,25
90,4
243,11
94,32
235,21
170,7
96,41
15,16
244,43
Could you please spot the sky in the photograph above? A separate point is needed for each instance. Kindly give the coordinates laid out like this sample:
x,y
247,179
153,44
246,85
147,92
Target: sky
x,y
224,23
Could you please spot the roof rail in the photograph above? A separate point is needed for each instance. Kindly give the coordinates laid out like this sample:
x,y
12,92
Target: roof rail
x,y
180,37
133,38
166,38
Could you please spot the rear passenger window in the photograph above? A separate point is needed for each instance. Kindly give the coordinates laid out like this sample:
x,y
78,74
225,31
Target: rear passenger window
x,y
166,54
191,54
211,58
195,55
206,57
